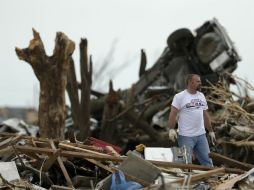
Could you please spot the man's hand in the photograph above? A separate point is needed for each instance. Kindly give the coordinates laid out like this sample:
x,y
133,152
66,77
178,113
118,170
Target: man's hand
x,y
212,137
172,135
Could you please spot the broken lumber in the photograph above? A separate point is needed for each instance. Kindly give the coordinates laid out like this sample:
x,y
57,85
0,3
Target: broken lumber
x,y
230,162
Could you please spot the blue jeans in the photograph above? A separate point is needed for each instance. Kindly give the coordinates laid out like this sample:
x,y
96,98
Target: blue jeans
x,y
199,146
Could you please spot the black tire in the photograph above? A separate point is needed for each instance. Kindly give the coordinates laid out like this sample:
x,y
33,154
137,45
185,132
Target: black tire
x,y
179,39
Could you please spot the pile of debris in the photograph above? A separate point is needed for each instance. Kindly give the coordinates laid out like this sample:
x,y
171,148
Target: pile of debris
x,y
46,163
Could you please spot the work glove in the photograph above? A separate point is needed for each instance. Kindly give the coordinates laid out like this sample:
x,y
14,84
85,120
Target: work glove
x,y
172,135
212,137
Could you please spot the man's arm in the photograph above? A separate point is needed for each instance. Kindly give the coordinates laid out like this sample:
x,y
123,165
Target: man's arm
x,y
207,121
208,126
172,117
171,124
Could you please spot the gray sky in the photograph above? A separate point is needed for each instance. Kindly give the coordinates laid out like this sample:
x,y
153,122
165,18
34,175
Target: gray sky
x,y
128,25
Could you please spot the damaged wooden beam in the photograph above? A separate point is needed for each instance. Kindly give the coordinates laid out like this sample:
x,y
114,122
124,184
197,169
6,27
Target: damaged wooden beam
x,y
29,149
183,183
192,166
71,147
197,177
61,164
51,160
10,140
230,162
88,147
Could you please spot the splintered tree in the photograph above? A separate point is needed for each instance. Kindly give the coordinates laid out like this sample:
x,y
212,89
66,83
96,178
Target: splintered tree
x,y
51,71
81,106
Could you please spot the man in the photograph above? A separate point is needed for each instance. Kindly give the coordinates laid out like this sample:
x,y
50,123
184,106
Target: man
x,y
191,107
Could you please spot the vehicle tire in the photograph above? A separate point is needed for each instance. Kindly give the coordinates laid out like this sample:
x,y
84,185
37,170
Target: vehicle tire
x,y
180,39
208,47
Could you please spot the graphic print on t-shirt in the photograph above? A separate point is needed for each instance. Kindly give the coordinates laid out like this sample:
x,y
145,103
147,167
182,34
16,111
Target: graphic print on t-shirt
x,y
195,104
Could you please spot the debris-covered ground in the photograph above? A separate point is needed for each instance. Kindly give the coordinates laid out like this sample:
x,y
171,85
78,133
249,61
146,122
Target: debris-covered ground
x,y
126,142
32,163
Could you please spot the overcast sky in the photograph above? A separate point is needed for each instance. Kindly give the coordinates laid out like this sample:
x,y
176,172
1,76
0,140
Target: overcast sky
x,y
121,26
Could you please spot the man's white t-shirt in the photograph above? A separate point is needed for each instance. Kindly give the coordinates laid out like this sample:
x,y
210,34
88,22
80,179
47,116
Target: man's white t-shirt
x,y
190,111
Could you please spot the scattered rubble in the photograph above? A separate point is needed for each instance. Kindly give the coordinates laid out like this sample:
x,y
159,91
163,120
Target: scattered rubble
x,y
18,126
123,141
58,164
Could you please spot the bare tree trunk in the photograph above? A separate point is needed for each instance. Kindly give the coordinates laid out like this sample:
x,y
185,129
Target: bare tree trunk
x,y
111,109
143,62
52,75
81,106
86,80
72,89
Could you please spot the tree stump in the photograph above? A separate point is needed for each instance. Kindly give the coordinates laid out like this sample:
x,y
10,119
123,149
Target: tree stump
x,y
52,75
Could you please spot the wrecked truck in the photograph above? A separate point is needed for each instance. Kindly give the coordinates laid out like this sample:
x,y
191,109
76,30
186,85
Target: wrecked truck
x,y
207,51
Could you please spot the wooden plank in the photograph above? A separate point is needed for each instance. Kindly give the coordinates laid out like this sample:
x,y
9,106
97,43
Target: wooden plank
x,y
180,165
103,157
105,167
27,137
29,149
5,142
178,184
198,177
61,164
88,147
51,160
34,149
234,171
33,155
68,146
9,141
230,162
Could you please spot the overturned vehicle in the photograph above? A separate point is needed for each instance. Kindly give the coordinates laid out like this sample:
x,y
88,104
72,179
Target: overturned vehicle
x,y
208,51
